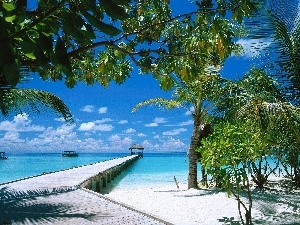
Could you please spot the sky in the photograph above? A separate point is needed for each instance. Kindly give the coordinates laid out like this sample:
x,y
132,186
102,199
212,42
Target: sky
x,y
103,118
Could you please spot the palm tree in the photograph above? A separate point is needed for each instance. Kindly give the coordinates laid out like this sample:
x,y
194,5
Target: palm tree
x,y
36,101
256,119
283,20
279,24
257,97
200,95
18,100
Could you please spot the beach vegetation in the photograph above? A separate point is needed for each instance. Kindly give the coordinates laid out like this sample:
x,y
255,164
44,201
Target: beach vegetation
x,y
199,98
227,155
253,128
281,58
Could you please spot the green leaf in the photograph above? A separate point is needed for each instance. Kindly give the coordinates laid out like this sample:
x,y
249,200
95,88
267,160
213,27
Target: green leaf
x,y
8,6
27,48
10,19
33,50
106,28
90,5
48,26
11,72
113,10
46,43
75,26
62,57
21,15
166,82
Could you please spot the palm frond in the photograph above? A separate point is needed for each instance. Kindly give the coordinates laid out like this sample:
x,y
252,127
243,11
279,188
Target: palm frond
x,y
19,100
160,102
278,25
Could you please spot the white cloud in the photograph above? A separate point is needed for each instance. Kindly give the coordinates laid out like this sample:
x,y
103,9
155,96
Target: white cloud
x,y
88,108
130,131
63,131
60,119
21,122
156,122
151,125
174,131
186,123
86,126
114,137
93,126
141,135
149,146
11,136
117,143
97,125
159,120
123,122
102,110
173,145
104,127
169,145
104,120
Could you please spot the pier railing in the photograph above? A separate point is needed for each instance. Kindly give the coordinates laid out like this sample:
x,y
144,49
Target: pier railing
x,y
101,180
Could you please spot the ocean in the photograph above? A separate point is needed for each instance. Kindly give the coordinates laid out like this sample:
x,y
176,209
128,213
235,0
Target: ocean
x,y
155,169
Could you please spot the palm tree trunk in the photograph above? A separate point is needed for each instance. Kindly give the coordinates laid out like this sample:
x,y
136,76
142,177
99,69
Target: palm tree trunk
x,y
192,178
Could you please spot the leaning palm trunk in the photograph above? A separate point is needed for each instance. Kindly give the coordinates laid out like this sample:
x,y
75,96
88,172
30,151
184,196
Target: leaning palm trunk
x,y
192,179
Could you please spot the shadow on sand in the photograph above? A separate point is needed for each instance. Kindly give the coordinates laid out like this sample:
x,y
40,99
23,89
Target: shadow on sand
x,y
277,204
28,207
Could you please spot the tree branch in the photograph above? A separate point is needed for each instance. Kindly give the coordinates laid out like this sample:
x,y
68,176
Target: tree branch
x,y
36,21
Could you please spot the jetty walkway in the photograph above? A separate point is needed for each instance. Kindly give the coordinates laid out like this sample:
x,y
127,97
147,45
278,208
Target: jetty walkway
x,y
70,197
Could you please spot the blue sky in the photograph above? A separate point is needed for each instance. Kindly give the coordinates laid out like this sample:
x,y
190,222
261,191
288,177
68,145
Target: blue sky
x,y
103,118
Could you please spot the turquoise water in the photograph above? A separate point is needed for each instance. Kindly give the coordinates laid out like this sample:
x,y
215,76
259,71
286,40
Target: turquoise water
x,y
153,169
18,166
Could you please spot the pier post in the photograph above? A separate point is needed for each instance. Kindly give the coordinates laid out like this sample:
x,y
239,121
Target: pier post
x,y
94,185
89,184
103,180
108,174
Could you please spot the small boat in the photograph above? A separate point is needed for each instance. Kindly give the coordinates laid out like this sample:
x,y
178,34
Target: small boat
x,y
69,154
2,155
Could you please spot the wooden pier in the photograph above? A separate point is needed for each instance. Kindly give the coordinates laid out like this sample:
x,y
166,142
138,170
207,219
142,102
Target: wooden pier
x,y
70,197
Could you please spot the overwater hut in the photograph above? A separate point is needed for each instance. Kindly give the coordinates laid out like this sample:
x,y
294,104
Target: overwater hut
x,y
2,155
137,149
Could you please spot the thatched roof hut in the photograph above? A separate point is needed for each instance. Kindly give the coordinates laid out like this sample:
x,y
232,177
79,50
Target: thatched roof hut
x,y
139,149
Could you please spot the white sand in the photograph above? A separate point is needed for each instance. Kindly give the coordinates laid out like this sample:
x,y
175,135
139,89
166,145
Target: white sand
x,y
207,207
182,207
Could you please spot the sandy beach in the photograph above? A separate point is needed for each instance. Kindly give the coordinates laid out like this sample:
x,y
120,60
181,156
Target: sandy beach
x,y
209,206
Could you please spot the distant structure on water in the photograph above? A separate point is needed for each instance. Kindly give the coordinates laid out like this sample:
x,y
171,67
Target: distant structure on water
x,y
137,149
2,155
69,154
